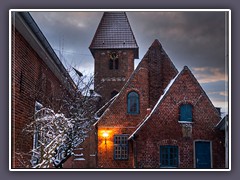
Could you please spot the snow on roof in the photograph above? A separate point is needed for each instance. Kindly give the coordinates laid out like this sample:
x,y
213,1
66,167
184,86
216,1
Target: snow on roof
x,y
114,98
79,159
105,105
156,105
95,94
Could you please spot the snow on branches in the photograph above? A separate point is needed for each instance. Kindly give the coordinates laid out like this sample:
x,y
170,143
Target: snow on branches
x,y
55,137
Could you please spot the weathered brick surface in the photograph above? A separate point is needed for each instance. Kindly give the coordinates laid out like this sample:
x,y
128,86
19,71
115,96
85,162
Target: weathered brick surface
x,y
107,80
148,80
163,128
32,81
88,150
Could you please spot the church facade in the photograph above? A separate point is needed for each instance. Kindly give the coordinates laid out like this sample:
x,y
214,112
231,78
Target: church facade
x,y
151,116
154,117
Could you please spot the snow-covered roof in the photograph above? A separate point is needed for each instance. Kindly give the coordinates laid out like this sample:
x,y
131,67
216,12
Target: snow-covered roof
x,y
103,107
155,107
141,66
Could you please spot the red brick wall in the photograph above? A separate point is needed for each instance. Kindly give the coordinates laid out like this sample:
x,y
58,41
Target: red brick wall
x,y
88,148
163,128
111,76
149,79
161,71
32,81
117,121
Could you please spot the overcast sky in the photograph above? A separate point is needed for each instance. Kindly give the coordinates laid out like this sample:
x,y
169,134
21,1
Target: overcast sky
x,y
195,39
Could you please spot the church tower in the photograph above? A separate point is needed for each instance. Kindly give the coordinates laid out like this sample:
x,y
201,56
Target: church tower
x,y
114,49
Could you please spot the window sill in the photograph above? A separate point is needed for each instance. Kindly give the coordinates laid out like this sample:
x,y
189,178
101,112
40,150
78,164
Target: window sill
x,y
185,122
133,114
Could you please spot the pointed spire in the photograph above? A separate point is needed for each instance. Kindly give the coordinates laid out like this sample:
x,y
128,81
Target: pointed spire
x,y
114,32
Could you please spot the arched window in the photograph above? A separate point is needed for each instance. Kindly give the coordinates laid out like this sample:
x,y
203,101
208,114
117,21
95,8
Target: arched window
x,y
116,63
110,64
186,112
113,93
133,103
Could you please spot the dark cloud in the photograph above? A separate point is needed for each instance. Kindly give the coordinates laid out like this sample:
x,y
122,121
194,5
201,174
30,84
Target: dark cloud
x,y
190,38
195,39
70,34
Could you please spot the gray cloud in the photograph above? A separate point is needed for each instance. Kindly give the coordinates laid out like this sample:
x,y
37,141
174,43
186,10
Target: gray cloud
x,y
190,38
195,39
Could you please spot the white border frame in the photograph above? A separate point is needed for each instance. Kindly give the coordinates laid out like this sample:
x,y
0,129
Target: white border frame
x,y
228,49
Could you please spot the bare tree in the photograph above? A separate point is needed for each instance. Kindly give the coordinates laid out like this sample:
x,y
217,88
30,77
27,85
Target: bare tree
x,y
56,134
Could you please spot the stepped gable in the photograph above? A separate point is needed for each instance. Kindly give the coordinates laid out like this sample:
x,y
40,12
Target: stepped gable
x,y
184,88
114,32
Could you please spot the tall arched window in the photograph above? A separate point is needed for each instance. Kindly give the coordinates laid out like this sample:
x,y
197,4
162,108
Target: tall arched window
x,y
186,112
116,63
133,103
110,64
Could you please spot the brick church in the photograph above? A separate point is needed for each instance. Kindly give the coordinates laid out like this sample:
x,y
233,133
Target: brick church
x,y
151,116
154,116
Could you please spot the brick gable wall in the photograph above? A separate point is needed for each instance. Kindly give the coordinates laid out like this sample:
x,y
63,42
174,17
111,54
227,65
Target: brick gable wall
x,y
116,120
32,81
163,128
161,71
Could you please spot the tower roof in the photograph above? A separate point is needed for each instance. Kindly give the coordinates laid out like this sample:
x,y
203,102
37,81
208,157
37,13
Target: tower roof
x,y
114,32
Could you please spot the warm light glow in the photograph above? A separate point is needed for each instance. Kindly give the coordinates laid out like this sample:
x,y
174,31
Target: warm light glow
x,y
105,134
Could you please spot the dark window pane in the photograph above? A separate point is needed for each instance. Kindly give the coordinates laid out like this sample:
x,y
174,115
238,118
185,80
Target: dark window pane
x,y
120,147
110,64
186,112
133,103
168,156
116,63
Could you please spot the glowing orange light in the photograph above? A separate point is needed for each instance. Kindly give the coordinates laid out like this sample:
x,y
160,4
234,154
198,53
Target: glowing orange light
x,y
105,135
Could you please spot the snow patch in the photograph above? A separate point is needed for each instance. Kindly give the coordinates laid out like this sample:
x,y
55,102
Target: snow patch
x,y
79,159
156,105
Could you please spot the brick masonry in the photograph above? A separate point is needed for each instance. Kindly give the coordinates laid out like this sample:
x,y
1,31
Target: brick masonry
x,y
149,80
32,81
163,128
107,80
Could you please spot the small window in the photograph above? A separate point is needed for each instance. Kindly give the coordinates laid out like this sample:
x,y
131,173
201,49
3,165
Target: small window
x,y
120,147
186,112
36,137
116,63
133,103
168,156
110,64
